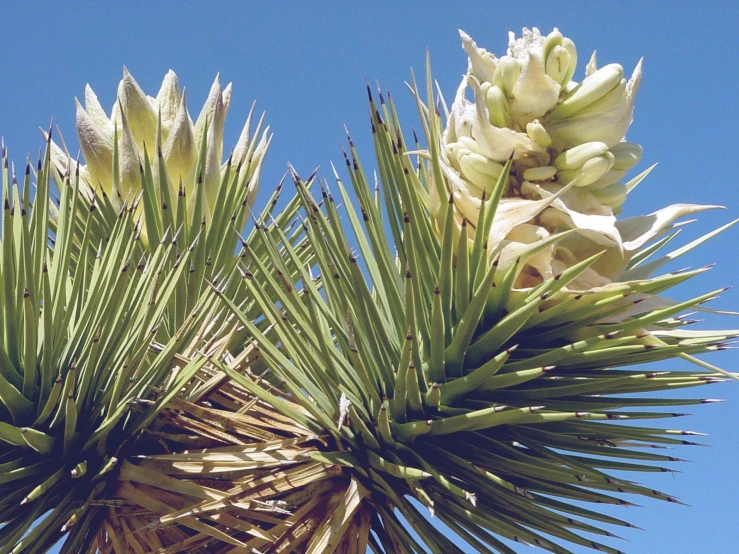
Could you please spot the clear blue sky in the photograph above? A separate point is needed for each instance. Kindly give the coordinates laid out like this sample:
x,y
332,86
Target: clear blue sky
x,y
305,64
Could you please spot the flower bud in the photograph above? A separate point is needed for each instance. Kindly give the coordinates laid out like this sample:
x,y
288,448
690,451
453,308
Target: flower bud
x,y
96,143
130,161
577,155
138,110
613,195
168,101
593,88
497,105
506,74
541,173
569,46
180,150
589,173
480,170
627,155
538,133
608,178
558,64
140,123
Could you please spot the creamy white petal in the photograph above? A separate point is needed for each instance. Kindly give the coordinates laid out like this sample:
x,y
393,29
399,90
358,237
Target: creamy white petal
x,y
96,112
638,231
515,211
130,161
168,101
212,114
141,117
468,205
97,148
496,143
244,144
226,96
460,117
180,150
482,63
540,263
587,280
535,92
598,226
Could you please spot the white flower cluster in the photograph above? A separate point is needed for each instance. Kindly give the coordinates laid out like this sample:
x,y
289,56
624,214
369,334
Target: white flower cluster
x,y
141,124
567,141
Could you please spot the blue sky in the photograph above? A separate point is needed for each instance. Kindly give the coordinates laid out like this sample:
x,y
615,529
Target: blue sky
x,y
305,63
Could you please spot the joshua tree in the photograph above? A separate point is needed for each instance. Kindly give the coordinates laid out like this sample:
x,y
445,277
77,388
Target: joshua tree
x,y
466,347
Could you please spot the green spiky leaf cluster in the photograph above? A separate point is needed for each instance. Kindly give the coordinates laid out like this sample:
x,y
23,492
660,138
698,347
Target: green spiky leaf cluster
x,y
101,330
79,377
334,382
163,216
503,423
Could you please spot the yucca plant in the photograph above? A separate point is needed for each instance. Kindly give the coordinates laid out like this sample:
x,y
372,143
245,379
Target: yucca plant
x,y
151,157
108,325
79,375
461,348
465,374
